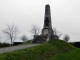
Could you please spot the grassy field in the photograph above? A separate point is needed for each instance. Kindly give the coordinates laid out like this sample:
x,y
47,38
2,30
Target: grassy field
x,y
54,50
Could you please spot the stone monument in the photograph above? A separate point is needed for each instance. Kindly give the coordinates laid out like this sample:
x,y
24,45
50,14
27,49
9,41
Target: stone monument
x,y
47,31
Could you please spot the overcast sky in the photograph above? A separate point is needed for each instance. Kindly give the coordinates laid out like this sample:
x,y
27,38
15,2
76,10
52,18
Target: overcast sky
x,y
65,15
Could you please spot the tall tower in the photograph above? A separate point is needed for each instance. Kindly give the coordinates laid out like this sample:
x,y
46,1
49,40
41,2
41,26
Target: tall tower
x,y
47,32
47,29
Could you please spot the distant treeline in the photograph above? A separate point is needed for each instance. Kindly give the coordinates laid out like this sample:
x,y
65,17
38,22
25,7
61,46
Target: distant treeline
x,y
4,45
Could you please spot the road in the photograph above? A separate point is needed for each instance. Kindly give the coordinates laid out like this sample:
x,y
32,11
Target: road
x,y
13,48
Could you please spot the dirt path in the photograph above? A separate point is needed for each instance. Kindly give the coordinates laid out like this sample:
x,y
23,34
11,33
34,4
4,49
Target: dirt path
x,y
9,49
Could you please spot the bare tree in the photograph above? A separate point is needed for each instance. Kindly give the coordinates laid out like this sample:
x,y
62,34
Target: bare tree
x,y
35,29
11,31
23,38
66,38
57,32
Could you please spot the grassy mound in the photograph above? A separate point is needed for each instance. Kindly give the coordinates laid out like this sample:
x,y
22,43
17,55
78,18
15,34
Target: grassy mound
x,y
74,55
41,52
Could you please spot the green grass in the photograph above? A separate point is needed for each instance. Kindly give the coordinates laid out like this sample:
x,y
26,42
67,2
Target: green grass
x,y
27,42
74,55
46,51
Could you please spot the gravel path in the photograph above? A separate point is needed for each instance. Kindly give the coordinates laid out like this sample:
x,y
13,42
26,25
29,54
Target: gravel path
x,y
13,48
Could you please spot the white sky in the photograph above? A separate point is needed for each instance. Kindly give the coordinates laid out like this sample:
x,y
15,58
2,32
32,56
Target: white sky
x,y
65,15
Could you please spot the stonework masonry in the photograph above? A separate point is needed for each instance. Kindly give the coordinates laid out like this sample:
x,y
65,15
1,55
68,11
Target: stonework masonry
x,y
47,31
